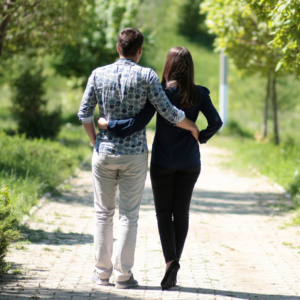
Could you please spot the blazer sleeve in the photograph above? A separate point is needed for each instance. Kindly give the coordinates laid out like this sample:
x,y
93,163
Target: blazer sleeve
x,y
213,119
126,127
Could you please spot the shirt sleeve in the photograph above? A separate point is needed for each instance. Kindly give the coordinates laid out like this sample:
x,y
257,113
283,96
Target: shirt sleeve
x,y
213,119
160,101
88,102
125,127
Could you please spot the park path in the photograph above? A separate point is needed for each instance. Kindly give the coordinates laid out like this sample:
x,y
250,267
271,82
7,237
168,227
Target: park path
x,y
237,248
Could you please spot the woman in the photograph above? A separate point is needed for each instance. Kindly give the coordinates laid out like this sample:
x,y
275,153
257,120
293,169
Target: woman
x,y
175,162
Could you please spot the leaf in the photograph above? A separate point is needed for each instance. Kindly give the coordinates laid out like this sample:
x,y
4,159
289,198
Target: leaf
x,y
281,8
278,66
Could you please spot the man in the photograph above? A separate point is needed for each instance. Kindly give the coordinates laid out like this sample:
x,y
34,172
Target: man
x,y
121,90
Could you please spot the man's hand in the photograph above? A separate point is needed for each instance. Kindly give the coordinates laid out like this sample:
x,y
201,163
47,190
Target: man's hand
x,y
191,126
102,123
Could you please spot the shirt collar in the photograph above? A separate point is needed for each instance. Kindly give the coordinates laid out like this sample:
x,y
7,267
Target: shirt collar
x,y
125,61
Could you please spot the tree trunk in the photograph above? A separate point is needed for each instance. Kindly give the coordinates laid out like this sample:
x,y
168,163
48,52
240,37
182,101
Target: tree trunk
x,y
266,109
4,22
275,119
3,29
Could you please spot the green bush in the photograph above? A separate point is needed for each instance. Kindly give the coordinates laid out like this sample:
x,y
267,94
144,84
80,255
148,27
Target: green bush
x,y
48,160
32,167
29,106
234,128
7,230
294,187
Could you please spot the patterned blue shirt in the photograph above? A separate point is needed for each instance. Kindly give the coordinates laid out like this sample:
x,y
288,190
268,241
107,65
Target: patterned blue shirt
x,y
121,90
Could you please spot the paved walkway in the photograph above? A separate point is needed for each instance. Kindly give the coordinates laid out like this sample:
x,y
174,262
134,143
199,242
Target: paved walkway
x,y
237,247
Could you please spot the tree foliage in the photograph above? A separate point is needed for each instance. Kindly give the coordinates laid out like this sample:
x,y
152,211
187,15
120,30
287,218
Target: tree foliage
x,y
83,32
246,37
29,106
28,25
284,16
96,39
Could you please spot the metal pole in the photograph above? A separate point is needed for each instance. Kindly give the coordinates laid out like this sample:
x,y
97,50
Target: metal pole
x,y
223,88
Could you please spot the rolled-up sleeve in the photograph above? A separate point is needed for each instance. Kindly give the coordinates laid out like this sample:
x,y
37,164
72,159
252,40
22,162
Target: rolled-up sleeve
x,y
160,101
88,102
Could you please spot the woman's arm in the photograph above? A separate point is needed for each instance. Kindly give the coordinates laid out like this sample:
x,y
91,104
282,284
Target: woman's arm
x,y
213,119
125,127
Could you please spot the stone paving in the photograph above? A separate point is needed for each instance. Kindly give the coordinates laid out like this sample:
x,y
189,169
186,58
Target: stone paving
x,y
238,246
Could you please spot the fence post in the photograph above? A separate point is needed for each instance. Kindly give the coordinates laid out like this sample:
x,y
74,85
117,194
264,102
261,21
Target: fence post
x,y
223,99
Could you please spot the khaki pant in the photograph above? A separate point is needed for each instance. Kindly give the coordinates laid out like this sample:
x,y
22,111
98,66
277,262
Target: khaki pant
x,y
129,173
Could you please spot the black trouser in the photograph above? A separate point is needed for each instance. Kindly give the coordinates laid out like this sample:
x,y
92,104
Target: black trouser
x,y
172,190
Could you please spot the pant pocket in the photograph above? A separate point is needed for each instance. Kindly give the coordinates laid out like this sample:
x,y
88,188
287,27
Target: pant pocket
x,y
98,159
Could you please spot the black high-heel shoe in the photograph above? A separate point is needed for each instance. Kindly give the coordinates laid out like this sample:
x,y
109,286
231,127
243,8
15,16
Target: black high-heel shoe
x,y
170,277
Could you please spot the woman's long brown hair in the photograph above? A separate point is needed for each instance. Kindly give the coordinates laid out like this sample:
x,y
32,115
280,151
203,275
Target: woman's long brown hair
x,y
179,71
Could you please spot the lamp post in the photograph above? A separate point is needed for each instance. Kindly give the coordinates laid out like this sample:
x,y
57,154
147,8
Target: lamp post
x,y
223,99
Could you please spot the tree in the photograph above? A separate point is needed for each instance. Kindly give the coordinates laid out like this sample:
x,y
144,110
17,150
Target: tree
x,y
246,38
28,25
81,35
192,24
29,106
96,40
284,18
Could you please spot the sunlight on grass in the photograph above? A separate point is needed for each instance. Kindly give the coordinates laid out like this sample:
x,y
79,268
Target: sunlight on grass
x,y
295,220
276,162
48,249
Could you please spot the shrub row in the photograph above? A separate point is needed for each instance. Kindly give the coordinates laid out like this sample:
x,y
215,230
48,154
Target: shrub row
x,y
45,160
8,233
31,167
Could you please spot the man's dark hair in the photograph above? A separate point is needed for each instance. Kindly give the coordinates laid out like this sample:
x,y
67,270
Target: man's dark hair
x,y
129,41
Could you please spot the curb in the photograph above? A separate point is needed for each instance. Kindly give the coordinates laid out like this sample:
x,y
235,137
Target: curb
x,y
33,209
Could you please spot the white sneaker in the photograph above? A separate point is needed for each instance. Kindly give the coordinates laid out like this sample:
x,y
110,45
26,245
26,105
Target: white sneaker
x,y
97,280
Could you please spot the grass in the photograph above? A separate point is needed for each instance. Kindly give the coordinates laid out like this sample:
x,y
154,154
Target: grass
x,y
64,249
57,230
48,249
279,163
17,271
276,162
295,220
20,247
30,168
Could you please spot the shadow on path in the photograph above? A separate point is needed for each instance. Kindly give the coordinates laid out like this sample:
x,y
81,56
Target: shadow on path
x,y
228,293
39,236
203,201
16,290
226,202
236,203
